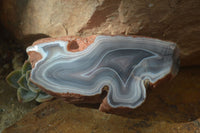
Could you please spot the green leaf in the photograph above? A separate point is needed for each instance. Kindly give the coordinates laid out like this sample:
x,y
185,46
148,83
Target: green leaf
x,y
33,87
23,83
28,73
43,97
30,84
13,77
25,95
26,67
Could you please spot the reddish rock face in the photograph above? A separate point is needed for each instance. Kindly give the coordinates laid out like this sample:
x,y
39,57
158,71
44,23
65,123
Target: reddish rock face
x,y
177,21
79,69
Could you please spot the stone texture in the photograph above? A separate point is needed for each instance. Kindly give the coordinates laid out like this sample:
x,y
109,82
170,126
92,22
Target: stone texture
x,y
10,109
173,108
174,20
99,62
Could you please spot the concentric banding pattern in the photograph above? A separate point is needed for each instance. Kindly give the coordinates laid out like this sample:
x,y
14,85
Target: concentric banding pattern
x,y
121,63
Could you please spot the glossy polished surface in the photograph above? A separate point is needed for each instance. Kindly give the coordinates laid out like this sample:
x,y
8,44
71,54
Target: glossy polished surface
x,y
121,63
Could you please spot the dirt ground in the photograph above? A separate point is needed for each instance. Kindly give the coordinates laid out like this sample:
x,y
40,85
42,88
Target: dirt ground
x,y
173,107
10,109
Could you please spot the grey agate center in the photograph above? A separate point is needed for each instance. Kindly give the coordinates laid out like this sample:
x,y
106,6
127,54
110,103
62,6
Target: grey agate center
x,y
121,63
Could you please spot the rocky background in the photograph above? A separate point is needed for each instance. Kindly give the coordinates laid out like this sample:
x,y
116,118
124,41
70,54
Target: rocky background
x,y
24,21
173,20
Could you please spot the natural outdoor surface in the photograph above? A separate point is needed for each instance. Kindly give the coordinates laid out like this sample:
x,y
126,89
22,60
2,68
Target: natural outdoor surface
x,y
11,57
10,109
172,107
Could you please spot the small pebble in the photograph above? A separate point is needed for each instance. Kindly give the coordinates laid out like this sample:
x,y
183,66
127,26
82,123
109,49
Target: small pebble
x,y
151,5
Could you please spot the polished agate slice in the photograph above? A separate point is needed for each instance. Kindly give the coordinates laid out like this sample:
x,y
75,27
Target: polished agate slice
x,y
123,63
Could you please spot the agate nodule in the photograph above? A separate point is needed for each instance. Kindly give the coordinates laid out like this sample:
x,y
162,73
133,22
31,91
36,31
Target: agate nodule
x,y
79,68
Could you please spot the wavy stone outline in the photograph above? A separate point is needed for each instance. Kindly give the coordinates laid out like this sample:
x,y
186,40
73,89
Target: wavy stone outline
x,y
62,71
